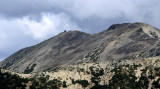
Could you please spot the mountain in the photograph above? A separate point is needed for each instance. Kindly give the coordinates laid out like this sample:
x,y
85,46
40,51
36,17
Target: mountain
x,y
125,41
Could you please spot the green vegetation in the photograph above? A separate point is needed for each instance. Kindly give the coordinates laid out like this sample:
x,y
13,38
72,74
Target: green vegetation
x,y
9,81
43,83
64,84
71,68
13,81
96,73
93,55
29,70
122,77
156,84
84,83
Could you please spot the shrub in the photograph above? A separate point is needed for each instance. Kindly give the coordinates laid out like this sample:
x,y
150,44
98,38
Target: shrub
x,y
84,83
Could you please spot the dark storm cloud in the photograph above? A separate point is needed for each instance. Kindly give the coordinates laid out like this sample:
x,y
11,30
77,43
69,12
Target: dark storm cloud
x,y
27,22
86,12
20,8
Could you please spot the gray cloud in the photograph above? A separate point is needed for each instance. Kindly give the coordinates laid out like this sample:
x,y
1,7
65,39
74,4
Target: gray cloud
x,y
27,22
18,33
83,10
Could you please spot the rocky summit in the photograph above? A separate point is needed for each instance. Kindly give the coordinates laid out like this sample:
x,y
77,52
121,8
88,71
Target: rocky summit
x,y
127,41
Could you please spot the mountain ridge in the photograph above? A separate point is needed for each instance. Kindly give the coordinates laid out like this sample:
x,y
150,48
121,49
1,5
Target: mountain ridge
x,y
118,42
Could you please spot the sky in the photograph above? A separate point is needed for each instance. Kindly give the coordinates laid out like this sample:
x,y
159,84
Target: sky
x,y
25,23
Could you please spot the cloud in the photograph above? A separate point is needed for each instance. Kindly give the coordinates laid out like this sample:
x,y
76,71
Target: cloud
x,y
91,15
49,25
131,10
81,9
22,32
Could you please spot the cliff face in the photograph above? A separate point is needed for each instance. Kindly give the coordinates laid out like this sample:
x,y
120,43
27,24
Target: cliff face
x,y
118,42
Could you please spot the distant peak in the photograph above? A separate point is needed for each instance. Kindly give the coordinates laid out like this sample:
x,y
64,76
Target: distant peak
x,y
130,25
140,23
114,26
